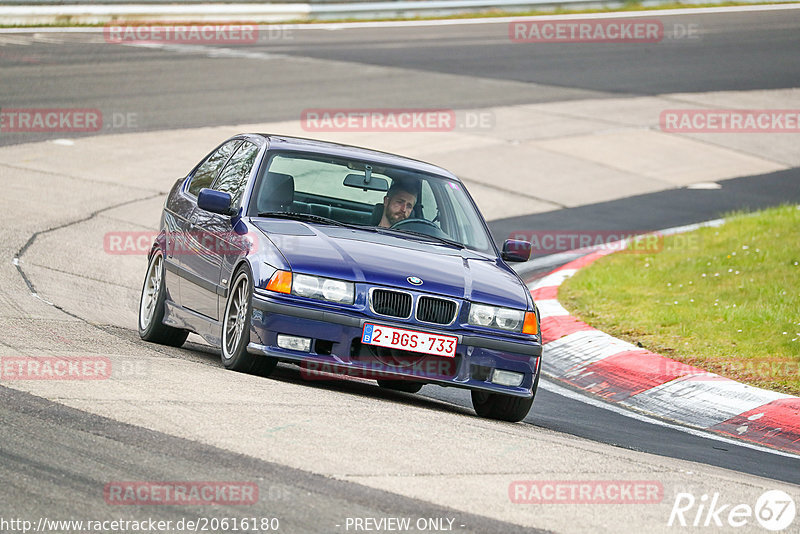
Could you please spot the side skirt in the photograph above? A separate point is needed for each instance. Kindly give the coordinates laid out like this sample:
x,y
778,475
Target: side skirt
x,y
179,317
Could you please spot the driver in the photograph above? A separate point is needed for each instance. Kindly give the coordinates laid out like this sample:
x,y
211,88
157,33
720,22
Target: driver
x,y
397,204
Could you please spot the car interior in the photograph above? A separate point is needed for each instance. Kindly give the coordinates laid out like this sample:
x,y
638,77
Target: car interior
x,y
277,193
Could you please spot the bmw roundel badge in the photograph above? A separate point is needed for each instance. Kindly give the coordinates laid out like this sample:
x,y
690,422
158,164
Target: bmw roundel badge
x,y
414,280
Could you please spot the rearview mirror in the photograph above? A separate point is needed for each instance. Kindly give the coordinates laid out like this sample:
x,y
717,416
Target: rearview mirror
x,y
371,184
516,250
215,202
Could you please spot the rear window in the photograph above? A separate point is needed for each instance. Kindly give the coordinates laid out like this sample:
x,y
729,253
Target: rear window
x,y
324,179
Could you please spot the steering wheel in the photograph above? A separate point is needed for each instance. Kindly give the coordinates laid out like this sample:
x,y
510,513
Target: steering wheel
x,y
420,226
408,222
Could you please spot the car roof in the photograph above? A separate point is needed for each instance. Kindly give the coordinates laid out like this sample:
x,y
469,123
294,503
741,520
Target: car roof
x,y
301,144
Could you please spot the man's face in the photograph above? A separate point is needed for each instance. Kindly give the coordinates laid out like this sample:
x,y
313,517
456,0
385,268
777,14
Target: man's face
x,y
398,207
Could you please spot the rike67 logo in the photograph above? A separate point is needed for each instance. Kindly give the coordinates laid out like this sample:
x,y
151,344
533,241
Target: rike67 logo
x,y
774,510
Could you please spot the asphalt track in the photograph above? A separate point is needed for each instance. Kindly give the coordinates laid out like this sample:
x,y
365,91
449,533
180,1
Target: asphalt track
x,y
55,458
663,209
196,86
171,89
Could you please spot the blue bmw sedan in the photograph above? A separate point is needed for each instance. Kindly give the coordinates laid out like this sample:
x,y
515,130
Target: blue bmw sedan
x,y
346,262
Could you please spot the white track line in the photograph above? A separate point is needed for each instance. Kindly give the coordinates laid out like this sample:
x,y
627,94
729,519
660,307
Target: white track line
x,y
553,387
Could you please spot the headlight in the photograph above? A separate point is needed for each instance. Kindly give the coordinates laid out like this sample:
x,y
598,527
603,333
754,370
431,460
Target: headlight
x,y
304,285
481,315
337,291
508,319
317,287
491,316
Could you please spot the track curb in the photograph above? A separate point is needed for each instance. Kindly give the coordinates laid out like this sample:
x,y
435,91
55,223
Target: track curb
x,y
621,373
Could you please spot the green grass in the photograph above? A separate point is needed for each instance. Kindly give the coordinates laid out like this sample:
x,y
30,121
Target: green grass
x,y
628,5
725,299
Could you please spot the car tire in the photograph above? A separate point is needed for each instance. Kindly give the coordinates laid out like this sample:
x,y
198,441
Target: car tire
x,y
406,386
503,407
151,307
235,334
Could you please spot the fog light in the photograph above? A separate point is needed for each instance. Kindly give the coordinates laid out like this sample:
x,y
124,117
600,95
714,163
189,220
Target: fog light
x,y
506,378
294,343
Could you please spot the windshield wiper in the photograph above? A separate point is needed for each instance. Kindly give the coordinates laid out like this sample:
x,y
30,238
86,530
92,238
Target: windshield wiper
x,y
434,237
310,217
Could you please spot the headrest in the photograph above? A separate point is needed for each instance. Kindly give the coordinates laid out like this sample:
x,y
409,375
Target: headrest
x,y
377,214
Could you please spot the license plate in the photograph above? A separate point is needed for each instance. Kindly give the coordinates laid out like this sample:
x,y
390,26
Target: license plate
x,y
410,340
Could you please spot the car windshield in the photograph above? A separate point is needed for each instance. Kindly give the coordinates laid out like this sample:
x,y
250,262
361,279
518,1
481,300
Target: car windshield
x,y
328,189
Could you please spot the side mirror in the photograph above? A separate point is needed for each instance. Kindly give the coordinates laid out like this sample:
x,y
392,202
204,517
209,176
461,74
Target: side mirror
x,y
516,250
215,202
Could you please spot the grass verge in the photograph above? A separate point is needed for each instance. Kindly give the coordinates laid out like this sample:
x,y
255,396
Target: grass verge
x,y
725,299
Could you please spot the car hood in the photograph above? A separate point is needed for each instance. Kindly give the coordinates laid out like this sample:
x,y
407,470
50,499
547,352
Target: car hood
x,y
386,260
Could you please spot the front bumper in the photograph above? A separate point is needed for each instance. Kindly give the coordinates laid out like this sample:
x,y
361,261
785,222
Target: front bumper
x,y
336,349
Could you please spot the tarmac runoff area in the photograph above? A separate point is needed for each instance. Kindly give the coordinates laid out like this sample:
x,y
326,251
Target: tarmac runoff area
x,y
79,300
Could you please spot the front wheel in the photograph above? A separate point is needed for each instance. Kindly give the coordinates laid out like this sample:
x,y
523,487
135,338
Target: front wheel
x,y
503,407
236,329
151,307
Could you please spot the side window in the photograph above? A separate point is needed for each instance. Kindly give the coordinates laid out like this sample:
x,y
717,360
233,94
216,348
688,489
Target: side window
x,y
428,201
465,220
205,174
233,178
